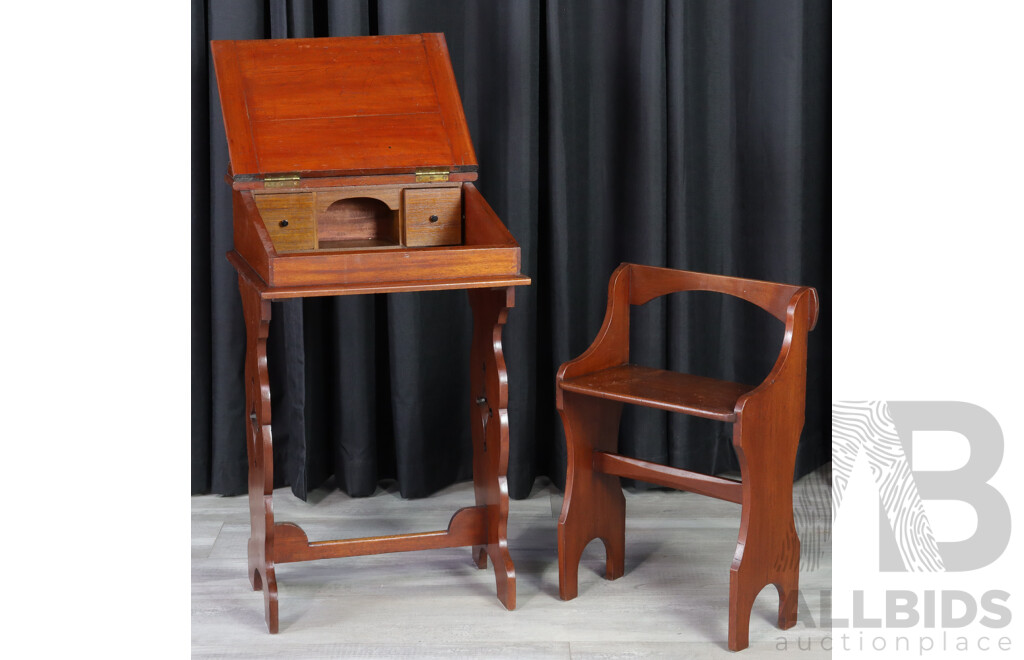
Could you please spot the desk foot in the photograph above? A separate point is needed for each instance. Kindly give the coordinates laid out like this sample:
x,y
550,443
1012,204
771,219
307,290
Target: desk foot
x,y
504,574
264,580
489,422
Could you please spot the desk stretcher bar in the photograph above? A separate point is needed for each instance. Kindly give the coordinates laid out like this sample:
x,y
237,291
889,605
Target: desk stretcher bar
x,y
467,527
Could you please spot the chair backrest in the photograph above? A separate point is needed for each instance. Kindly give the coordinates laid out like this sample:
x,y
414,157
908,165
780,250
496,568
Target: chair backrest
x,y
649,282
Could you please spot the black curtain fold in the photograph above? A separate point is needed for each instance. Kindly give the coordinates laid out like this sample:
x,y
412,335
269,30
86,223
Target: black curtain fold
x,y
673,133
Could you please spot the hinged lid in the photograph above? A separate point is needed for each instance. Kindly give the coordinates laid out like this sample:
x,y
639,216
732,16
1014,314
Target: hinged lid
x,y
340,106
425,174
281,180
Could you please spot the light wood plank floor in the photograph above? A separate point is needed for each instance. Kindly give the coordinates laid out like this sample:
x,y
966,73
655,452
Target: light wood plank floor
x,y
672,601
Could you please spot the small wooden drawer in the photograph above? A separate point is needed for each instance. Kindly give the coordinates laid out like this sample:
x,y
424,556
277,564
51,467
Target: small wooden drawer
x,y
289,220
431,216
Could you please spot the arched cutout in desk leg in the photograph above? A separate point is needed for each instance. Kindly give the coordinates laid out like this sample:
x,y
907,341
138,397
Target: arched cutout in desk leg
x,y
489,412
260,449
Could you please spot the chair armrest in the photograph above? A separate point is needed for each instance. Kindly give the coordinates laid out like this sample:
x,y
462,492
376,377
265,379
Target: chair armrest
x,y
611,346
788,377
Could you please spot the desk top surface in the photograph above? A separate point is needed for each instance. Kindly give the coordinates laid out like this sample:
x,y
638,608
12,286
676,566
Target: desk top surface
x,y
341,106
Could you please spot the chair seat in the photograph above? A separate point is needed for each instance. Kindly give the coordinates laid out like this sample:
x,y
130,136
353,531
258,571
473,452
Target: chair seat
x,y
667,390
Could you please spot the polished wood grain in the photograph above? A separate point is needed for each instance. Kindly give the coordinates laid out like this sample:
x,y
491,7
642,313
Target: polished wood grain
x,y
321,290
594,507
448,99
357,219
489,427
354,217
487,249
336,111
260,450
296,79
484,527
667,390
649,282
372,265
483,227
356,244
252,242
231,85
767,421
766,434
609,348
289,221
334,106
344,143
468,526
672,603
391,195
431,217
663,475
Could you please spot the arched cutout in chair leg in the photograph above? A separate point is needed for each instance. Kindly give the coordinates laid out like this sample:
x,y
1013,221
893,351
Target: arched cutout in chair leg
x,y
768,548
744,588
594,506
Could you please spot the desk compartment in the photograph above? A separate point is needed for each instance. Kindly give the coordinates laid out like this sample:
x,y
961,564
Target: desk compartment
x,y
289,221
362,217
360,251
431,216
353,222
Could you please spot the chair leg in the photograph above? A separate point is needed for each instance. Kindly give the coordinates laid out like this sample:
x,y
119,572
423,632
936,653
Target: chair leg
x,y
768,551
594,506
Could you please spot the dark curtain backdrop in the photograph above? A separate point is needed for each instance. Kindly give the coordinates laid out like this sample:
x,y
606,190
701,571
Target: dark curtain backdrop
x,y
688,134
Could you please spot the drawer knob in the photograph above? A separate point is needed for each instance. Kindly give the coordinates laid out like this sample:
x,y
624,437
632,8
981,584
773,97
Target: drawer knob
x,y
433,218
283,223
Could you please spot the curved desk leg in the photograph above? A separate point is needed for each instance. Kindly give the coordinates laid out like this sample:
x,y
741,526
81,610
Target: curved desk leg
x,y
260,450
489,412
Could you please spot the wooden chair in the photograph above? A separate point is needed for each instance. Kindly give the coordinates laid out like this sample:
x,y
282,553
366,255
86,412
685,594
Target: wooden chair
x,y
767,422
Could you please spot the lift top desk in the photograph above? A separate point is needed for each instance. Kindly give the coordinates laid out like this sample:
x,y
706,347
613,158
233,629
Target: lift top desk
x,y
352,171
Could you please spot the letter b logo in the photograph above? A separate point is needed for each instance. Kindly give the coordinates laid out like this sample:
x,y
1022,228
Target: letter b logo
x,y
883,430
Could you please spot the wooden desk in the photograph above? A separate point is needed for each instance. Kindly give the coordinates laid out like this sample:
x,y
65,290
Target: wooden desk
x,y
352,173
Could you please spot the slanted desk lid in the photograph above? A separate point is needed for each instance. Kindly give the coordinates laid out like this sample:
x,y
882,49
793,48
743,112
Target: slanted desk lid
x,y
338,106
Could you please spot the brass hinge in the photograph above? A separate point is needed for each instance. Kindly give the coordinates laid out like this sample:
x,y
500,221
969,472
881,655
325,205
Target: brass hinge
x,y
281,181
428,174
